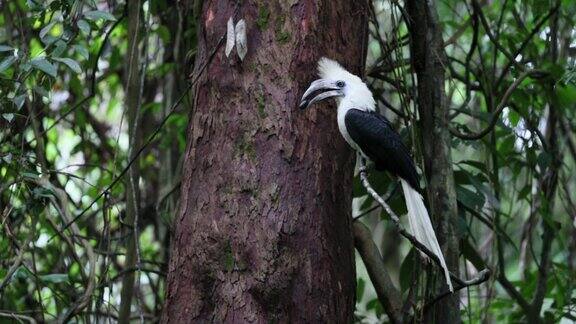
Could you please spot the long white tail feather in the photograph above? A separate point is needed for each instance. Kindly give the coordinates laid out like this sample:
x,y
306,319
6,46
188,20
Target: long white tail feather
x,y
421,227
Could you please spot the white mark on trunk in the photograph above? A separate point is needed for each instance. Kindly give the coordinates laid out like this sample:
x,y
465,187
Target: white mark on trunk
x,y
230,37
241,41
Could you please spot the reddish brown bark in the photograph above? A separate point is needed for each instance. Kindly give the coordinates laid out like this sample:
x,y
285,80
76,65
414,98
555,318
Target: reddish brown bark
x,y
264,228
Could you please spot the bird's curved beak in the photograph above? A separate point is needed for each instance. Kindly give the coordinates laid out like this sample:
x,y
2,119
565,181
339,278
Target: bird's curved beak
x,y
319,90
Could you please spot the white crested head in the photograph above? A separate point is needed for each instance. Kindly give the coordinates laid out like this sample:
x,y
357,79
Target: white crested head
x,y
330,69
356,93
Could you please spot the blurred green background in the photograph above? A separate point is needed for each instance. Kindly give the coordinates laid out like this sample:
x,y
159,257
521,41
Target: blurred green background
x,y
65,140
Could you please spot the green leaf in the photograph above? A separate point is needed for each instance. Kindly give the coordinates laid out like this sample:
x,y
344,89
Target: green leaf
x,y
476,164
375,306
43,65
8,116
407,269
21,273
55,278
60,48
84,26
19,100
82,51
540,5
25,67
73,65
471,254
526,190
506,146
30,175
469,198
544,159
39,192
35,5
513,117
43,92
360,287
44,31
8,159
556,70
6,48
164,34
478,181
566,95
97,14
7,62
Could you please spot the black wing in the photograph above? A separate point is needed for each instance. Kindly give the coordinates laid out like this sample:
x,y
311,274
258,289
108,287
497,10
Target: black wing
x,y
378,140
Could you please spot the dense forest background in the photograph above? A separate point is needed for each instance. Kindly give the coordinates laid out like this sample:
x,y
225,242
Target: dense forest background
x,y
95,98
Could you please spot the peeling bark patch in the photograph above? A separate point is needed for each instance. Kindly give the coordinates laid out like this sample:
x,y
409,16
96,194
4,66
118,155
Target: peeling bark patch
x,y
209,18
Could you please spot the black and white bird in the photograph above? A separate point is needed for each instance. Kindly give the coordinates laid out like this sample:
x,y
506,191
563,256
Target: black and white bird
x,y
373,137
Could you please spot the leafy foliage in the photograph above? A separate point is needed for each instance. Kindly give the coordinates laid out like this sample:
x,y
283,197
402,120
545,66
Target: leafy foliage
x,y
65,143
514,184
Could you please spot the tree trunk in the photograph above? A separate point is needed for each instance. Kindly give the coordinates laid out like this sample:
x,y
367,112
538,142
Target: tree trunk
x,y
133,102
264,227
429,62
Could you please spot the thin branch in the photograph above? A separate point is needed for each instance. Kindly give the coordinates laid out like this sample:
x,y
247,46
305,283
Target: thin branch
x,y
500,276
421,247
525,43
478,11
19,257
388,295
568,137
60,203
93,82
150,139
131,270
513,292
459,32
499,109
18,317
482,277
133,100
548,185
373,208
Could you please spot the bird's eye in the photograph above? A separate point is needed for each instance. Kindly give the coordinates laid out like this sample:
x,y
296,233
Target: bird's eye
x,y
340,84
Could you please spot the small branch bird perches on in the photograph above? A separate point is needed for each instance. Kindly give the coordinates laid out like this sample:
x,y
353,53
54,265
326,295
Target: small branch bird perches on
x,y
482,276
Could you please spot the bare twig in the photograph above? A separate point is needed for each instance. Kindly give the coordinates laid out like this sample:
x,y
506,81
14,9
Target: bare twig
x,y
388,295
60,202
482,276
133,100
488,30
19,257
527,41
499,109
373,208
150,139
93,81
421,247
513,292
18,317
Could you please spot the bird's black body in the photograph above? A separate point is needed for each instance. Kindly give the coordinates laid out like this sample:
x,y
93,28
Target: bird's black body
x,y
377,139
